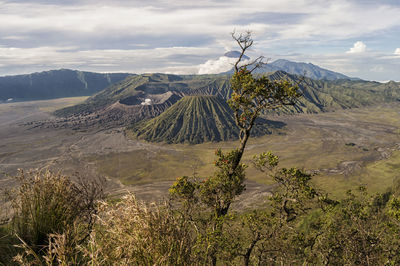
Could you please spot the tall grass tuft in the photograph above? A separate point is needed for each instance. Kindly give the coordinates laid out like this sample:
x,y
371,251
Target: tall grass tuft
x,y
133,233
48,203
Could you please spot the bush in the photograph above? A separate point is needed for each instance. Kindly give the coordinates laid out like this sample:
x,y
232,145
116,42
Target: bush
x,y
49,203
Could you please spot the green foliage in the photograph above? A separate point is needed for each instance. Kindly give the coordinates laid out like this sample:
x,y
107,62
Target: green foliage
x,y
298,225
357,231
253,94
184,188
219,190
265,161
394,207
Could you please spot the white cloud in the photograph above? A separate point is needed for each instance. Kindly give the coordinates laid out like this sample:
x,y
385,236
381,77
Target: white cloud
x,y
222,64
359,47
397,51
15,60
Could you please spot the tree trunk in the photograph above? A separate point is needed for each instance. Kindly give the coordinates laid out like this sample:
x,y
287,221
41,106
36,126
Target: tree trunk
x,y
249,250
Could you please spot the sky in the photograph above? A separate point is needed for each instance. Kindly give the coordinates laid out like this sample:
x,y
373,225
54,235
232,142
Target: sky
x,y
359,38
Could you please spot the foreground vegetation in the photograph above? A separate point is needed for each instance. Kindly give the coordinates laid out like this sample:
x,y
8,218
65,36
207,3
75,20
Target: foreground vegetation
x,y
56,221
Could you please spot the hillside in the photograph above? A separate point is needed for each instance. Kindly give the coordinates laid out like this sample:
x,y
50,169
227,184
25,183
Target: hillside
x,y
330,95
55,84
121,103
195,119
136,89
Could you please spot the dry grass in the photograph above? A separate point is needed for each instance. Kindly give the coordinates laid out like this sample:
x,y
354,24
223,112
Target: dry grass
x,y
48,203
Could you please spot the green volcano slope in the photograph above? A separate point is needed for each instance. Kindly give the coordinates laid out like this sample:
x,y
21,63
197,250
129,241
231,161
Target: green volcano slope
x,y
195,119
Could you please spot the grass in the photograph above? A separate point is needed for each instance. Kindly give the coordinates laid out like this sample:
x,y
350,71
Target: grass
x,y
143,166
7,245
381,174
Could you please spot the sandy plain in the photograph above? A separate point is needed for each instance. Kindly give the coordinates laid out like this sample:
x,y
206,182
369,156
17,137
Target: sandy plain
x,y
344,149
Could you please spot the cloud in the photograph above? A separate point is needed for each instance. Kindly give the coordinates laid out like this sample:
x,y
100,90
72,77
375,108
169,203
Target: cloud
x,y
220,65
378,69
359,47
183,60
176,35
11,37
368,66
397,51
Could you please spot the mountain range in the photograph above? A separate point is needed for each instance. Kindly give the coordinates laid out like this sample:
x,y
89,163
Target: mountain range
x,y
153,105
297,68
146,96
55,84
69,83
304,69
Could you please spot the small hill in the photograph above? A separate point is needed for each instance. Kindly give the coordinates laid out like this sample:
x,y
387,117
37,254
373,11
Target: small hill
x,y
55,84
194,119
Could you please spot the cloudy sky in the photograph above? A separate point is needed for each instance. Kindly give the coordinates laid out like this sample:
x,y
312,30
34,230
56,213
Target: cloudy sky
x,y
359,38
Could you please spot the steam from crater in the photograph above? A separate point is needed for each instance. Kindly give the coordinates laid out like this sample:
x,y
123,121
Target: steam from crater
x,y
146,102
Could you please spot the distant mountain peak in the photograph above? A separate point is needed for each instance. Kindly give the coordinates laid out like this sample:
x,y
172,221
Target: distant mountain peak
x,y
308,70
300,68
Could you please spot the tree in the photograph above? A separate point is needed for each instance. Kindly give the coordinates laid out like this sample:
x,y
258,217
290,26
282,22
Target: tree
x,y
254,94
251,96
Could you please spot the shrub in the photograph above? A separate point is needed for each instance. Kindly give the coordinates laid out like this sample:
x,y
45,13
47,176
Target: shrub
x,y
48,203
133,233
